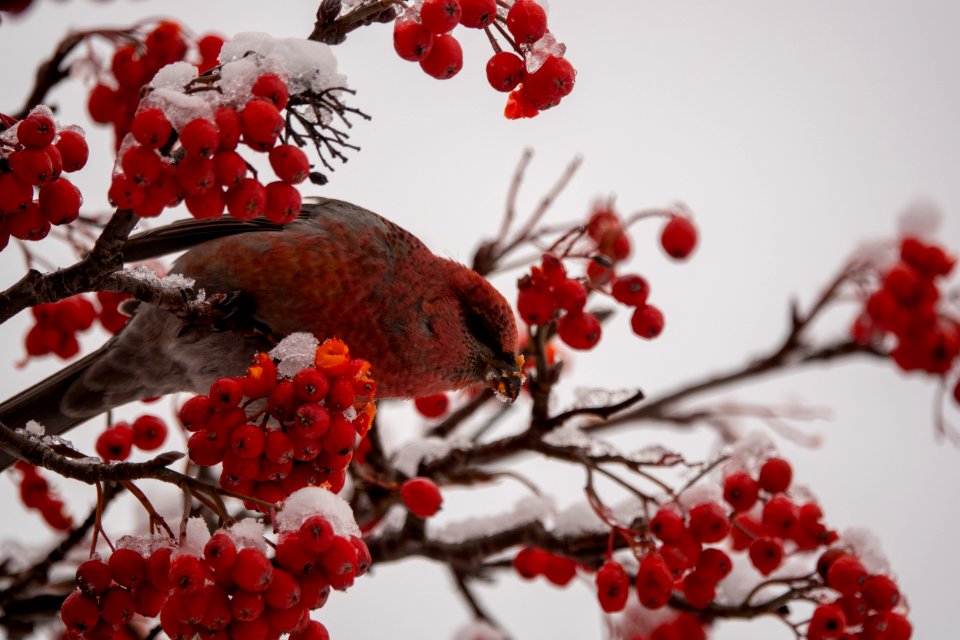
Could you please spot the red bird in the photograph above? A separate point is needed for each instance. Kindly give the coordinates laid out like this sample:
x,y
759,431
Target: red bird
x,y
427,324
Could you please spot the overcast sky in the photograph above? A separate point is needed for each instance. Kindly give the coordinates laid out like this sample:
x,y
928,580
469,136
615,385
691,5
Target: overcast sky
x,y
794,131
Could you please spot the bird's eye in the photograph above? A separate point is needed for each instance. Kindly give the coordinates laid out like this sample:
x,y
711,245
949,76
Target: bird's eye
x,y
480,329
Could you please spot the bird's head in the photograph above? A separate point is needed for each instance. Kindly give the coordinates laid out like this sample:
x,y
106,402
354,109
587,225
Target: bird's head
x,y
480,321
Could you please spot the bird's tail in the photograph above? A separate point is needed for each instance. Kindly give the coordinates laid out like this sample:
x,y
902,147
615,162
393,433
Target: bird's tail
x,y
42,403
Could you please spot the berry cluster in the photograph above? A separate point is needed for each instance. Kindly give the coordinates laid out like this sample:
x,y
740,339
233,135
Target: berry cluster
x,y
679,556
35,493
546,292
209,173
865,608
906,307
305,435
56,324
535,72
116,98
34,154
231,588
147,433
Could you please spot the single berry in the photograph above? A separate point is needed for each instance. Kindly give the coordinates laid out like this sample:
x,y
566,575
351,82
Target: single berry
x,y
527,21
476,14
421,496
445,58
440,16
647,321
432,406
505,71
151,128
36,131
411,40
149,432
775,475
679,237
579,330
766,554
271,87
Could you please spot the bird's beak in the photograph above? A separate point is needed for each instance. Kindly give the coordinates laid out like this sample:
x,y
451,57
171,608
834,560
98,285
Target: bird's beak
x,y
504,375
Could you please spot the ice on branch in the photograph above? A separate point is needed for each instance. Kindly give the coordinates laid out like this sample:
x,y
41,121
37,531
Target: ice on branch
x,y
312,501
570,435
35,429
580,518
172,283
538,52
197,536
866,546
525,511
295,352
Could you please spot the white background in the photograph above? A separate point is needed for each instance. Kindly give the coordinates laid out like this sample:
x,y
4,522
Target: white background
x,y
793,130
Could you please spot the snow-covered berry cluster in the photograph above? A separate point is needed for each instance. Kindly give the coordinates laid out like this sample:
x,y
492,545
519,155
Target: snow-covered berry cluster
x,y
281,428
535,72
140,54
34,153
35,493
228,585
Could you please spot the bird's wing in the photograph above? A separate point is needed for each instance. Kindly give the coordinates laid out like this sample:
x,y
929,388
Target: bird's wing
x,y
184,234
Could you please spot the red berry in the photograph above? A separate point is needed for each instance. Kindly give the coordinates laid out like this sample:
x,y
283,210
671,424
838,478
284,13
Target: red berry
x,y
289,163
530,562
283,592
142,165
36,131
252,570
881,593
570,295
780,516
128,568
714,565
103,104
847,575
667,525
341,395
654,581
579,330
225,393
316,534
647,321
115,443
440,16
220,552
79,612
271,87
340,559
207,204
93,577
247,606
827,623
313,631
740,491
56,162
679,237
187,574
151,128
613,586
445,58
228,123
550,83
559,570
283,203
199,138
14,193
311,421
411,40
766,554
27,223
247,200
631,290
209,46
261,123
698,589
149,432
247,441
128,68
195,413
421,496
708,522
124,193
535,304
60,201
310,385
775,475
527,21
432,406
505,71
477,14
32,166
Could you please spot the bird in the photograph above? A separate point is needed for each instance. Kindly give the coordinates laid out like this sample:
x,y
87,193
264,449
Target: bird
x,y
427,324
